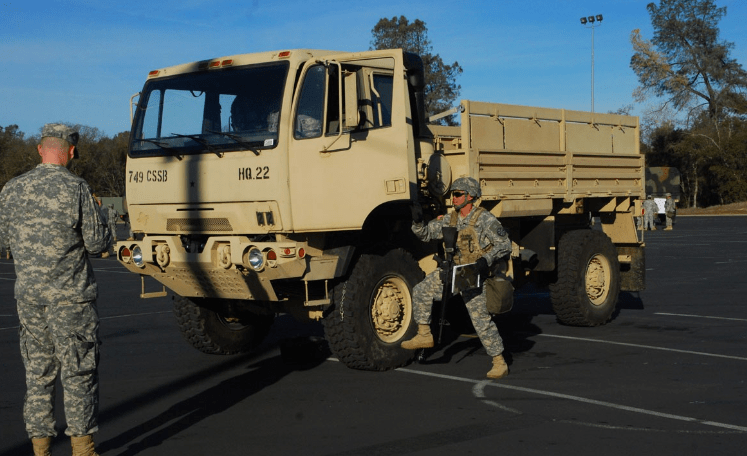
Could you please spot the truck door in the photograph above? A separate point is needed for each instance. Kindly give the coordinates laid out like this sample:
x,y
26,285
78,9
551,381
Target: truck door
x,y
349,149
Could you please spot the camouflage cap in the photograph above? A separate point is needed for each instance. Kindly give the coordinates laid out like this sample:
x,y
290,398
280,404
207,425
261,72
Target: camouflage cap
x,y
62,131
467,184
56,130
668,194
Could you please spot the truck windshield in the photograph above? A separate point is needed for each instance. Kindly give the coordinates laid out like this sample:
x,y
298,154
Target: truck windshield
x,y
211,111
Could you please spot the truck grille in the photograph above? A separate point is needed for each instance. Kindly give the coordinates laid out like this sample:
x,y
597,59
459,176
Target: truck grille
x,y
198,224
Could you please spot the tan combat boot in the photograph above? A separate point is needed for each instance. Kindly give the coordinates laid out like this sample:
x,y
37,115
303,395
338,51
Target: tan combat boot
x,y
83,446
669,228
41,446
423,339
500,368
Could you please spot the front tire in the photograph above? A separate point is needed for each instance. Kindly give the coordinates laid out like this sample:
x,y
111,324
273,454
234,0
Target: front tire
x,y
588,284
207,326
372,312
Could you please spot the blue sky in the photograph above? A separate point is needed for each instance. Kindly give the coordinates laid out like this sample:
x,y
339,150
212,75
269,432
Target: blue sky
x,y
81,61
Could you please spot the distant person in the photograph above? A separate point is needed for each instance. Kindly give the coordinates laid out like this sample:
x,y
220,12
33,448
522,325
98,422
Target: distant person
x,y
649,212
670,210
111,218
52,222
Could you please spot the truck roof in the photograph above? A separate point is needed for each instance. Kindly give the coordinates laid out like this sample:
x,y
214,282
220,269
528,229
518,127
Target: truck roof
x,y
292,55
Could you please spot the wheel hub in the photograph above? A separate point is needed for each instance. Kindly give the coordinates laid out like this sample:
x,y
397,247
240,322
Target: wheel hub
x,y
597,280
389,310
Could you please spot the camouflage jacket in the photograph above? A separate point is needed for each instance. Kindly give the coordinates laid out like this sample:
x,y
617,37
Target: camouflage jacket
x,y
51,221
489,232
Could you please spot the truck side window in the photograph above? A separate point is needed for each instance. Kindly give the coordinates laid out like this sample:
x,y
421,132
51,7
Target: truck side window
x,y
308,121
381,98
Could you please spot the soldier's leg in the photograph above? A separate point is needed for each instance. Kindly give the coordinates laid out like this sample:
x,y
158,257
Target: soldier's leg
x,y
42,367
487,332
423,295
75,333
481,320
422,302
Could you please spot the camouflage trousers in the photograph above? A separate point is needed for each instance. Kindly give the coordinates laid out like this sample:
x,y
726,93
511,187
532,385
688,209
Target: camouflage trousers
x,y
113,230
60,340
432,288
648,221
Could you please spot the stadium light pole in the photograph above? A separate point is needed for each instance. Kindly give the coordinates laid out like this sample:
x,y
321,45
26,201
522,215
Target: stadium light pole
x,y
592,20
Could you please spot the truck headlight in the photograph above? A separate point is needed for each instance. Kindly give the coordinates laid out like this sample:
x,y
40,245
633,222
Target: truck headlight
x,y
137,256
255,259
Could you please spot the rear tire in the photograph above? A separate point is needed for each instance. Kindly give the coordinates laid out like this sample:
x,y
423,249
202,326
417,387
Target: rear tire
x,y
206,326
588,284
372,312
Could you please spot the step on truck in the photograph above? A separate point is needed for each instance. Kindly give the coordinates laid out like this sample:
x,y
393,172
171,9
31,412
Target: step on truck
x,y
281,183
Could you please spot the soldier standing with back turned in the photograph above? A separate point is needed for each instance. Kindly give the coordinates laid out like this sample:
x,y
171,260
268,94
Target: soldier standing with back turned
x,y
670,209
52,223
481,240
649,212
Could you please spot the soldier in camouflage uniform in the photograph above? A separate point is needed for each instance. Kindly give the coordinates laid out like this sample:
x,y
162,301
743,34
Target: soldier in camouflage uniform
x,y
492,244
670,209
111,217
52,223
649,212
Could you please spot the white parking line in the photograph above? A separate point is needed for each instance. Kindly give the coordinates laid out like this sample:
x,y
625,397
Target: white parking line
x,y
481,384
648,347
700,316
135,315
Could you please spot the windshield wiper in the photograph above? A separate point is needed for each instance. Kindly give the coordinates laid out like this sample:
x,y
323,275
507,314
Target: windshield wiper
x,y
202,141
162,146
237,139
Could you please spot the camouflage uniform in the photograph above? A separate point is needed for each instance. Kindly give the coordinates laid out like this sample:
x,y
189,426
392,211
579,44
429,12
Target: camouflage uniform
x,y
670,208
111,218
490,232
52,222
649,212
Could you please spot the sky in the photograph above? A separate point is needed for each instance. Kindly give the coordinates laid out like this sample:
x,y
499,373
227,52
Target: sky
x,y
81,61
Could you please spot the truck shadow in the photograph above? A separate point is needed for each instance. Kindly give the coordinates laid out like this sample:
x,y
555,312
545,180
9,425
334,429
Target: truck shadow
x,y
297,352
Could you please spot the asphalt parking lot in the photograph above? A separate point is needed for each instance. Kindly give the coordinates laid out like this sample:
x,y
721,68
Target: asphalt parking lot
x,y
665,376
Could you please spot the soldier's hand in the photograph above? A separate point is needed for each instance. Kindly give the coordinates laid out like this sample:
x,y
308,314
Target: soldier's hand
x,y
417,212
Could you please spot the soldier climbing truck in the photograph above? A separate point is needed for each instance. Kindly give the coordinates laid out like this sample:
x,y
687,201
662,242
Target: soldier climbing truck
x,y
281,182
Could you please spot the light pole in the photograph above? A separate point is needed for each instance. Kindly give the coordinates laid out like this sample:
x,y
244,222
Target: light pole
x,y
592,20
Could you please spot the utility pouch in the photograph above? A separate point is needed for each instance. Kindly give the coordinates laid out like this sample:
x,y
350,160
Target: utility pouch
x,y
499,294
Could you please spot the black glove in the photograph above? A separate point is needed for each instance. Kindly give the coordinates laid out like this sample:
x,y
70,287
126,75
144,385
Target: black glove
x,y
482,268
417,212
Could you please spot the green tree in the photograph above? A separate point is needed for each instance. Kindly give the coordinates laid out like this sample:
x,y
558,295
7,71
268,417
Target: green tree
x,y
17,154
441,88
686,62
689,66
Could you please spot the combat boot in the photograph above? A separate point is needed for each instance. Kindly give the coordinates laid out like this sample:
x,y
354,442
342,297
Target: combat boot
x,y
83,446
423,339
104,254
41,446
500,368
669,228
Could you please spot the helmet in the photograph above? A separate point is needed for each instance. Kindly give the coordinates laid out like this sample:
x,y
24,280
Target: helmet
x,y
467,184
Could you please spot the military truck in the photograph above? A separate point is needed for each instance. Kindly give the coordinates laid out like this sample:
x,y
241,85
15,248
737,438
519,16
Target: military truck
x,y
281,182
661,180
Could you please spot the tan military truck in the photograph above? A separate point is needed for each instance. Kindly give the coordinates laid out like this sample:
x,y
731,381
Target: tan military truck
x,y
281,182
